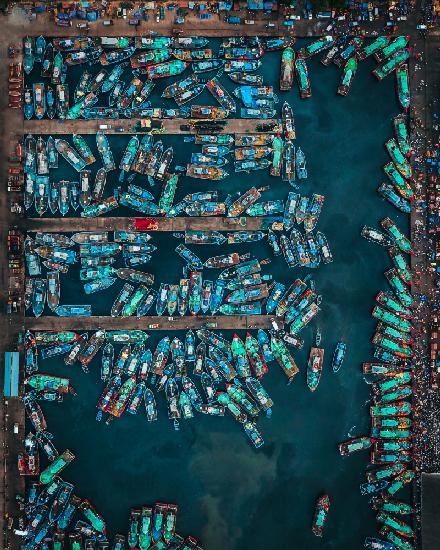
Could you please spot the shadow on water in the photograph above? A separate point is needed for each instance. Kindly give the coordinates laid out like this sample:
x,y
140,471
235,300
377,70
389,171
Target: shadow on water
x,y
234,497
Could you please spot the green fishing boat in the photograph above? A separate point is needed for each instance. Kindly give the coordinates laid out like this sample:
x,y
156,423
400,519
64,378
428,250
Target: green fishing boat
x,y
255,356
391,64
92,516
284,358
402,135
373,47
347,77
403,187
316,47
391,48
134,301
398,158
119,403
396,234
400,264
402,85
55,337
244,400
41,382
60,462
399,288
168,192
240,357
391,319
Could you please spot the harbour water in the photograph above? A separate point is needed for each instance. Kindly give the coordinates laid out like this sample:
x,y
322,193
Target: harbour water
x,y
232,496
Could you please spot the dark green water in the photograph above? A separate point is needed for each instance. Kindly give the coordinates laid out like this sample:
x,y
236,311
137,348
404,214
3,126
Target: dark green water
x,y
229,494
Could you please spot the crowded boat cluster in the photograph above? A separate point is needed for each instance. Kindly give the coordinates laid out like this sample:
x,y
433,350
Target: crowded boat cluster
x,y
53,516
104,94
50,195
390,373
201,372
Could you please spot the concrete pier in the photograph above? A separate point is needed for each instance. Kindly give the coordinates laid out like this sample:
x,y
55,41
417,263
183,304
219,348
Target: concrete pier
x,y
130,126
214,223
224,322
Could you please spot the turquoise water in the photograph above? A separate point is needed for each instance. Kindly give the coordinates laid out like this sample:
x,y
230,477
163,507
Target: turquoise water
x,y
230,495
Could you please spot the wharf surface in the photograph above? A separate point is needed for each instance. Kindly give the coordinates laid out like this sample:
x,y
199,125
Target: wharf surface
x,y
214,223
131,125
223,322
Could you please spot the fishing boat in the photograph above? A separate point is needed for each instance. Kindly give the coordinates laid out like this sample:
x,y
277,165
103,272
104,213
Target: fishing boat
x,y
29,54
250,165
73,43
338,356
166,69
274,43
372,47
116,56
402,185
42,160
288,122
320,517
312,212
355,444
105,152
347,76
396,235
392,63
28,100
391,48
402,86
57,68
70,155
388,192
287,69
246,79
83,149
283,358
300,164
241,65
41,194
221,94
376,236
62,101
207,65
53,289
205,172
318,46
302,76
82,87
314,367
39,100
52,153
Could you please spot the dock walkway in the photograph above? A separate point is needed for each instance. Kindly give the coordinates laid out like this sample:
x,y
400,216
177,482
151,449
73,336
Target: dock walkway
x,y
214,223
223,322
131,125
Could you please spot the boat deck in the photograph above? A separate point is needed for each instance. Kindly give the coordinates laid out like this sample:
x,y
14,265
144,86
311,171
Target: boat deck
x,y
214,223
223,322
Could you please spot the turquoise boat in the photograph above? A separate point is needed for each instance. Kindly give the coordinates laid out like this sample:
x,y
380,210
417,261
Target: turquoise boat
x,y
105,152
74,310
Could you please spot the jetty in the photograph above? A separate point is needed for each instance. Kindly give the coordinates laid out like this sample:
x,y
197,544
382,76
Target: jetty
x,y
133,125
214,223
224,322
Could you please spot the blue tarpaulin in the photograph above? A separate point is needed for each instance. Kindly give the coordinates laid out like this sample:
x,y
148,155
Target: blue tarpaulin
x,y
11,374
255,4
91,16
